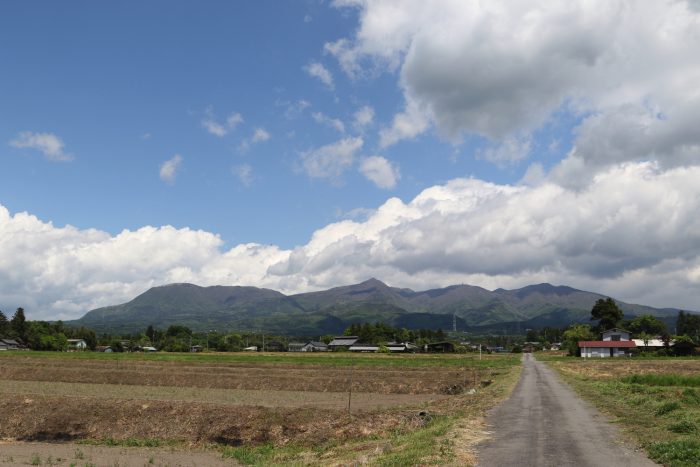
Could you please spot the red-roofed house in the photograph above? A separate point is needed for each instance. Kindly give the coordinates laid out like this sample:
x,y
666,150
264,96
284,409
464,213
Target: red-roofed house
x,y
615,343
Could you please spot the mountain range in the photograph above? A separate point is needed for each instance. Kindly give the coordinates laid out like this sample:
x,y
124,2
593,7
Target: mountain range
x,y
470,308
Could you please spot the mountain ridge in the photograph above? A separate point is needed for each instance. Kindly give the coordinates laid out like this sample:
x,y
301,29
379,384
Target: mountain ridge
x,y
330,311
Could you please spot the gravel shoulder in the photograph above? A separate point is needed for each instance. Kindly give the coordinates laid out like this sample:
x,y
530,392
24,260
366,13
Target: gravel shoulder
x,y
544,423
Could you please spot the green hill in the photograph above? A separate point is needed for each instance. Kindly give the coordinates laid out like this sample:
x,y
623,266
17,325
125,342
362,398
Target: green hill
x,y
330,311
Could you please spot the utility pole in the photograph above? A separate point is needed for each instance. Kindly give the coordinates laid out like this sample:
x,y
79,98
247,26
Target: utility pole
x,y
352,365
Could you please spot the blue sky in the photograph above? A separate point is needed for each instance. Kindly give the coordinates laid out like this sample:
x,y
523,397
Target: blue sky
x,y
302,145
126,87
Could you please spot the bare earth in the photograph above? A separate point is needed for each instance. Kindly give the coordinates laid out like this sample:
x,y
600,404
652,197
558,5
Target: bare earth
x,y
545,424
65,454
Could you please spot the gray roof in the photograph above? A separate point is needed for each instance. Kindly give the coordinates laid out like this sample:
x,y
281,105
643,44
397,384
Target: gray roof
x,y
344,340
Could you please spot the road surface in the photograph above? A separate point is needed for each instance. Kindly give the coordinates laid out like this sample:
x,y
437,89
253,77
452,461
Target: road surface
x,y
545,424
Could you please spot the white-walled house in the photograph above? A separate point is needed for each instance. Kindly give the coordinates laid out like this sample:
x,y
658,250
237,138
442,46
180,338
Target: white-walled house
x,y
615,343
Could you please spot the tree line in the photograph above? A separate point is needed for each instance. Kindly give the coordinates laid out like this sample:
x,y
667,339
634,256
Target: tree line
x,y
40,335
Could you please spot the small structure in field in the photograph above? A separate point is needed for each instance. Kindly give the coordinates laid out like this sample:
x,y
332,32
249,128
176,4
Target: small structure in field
x,y
11,344
252,348
616,343
343,342
359,347
651,344
196,348
275,346
103,348
401,347
76,344
314,346
148,348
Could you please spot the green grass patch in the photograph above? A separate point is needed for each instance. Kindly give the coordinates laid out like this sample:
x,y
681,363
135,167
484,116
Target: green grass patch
x,y
664,380
676,453
666,408
684,426
130,442
250,455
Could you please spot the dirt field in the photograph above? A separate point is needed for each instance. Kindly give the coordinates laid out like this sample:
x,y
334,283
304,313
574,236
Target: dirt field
x,y
241,403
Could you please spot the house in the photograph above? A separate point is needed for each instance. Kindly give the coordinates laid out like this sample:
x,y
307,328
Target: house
x,y
439,347
616,343
405,347
342,342
315,346
616,334
196,348
76,344
296,346
103,348
10,344
358,347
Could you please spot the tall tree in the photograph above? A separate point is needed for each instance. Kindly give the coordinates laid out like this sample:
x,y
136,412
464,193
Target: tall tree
x,y
607,313
574,334
4,324
19,324
646,324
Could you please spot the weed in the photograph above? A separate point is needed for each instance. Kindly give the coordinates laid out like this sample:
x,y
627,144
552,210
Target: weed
x,y
36,460
250,455
684,426
79,454
678,453
666,408
151,460
691,396
666,379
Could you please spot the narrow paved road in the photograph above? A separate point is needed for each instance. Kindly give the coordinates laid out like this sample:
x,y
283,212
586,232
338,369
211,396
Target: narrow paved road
x,y
545,424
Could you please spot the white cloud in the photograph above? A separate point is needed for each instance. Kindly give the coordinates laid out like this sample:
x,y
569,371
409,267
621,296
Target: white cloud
x,y
380,171
260,135
317,70
324,119
216,128
627,69
364,117
50,145
169,169
331,160
633,228
244,172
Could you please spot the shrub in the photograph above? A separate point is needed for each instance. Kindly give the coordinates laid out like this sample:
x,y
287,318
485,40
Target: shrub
x,y
684,426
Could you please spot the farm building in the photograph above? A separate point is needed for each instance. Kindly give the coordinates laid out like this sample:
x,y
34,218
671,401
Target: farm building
x,y
651,344
342,342
196,348
358,347
77,344
405,347
615,343
315,346
103,348
10,344
275,346
295,346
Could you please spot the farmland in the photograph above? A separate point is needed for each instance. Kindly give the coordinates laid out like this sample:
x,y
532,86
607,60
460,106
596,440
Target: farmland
x,y
256,408
655,401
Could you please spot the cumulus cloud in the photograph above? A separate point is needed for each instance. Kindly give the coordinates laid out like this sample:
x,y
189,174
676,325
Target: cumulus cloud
x,y
331,160
511,150
363,117
607,237
625,69
324,119
50,145
317,70
221,129
260,135
169,169
380,171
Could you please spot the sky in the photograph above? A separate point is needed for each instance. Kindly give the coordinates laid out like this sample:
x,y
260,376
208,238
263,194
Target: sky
x,y
308,144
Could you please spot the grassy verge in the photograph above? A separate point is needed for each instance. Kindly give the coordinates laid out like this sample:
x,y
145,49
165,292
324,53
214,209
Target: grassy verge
x,y
660,411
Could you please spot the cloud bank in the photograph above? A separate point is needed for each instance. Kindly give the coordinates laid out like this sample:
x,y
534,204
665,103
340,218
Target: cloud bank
x,y
607,237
